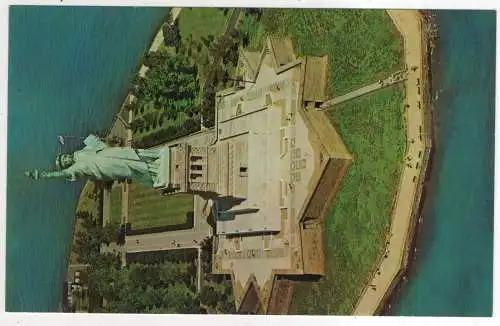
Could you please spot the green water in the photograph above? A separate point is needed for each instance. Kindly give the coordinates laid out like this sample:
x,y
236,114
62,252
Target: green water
x,y
69,69
453,273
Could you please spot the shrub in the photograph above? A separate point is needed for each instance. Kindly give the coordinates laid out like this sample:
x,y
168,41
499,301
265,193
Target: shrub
x,y
205,41
210,296
168,134
171,35
154,58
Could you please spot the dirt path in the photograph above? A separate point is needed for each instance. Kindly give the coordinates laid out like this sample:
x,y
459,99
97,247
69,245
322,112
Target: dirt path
x,y
409,24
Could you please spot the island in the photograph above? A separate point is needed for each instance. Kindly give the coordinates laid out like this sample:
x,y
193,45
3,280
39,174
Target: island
x,y
294,146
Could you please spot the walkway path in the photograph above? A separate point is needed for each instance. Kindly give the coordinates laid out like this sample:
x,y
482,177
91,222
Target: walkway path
x,y
164,241
408,23
173,239
395,78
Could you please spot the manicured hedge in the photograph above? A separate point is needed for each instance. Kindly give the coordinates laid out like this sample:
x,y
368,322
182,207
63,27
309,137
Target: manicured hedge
x,y
168,134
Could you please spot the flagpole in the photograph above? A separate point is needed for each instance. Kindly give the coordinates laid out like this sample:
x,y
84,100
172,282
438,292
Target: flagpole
x,y
70,136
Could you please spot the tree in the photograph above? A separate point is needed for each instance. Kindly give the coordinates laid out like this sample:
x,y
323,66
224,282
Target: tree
x,y
172,86
137,123
205,41
83,247
161,118
175,272
254,11
150,118
182,298
206,254
171,35
245,41
88,221
83,215
154,58
181,49
143,288
227,306
209,296
109,232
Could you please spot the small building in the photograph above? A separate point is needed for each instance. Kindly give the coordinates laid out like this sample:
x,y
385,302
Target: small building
x,y
76,289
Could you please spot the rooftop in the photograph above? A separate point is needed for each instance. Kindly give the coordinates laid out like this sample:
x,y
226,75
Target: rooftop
x,y
276,158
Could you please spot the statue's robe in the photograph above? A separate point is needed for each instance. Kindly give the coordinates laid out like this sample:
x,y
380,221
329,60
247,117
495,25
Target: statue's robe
x,y
99,161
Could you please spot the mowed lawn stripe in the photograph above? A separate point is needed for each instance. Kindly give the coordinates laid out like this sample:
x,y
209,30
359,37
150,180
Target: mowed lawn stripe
x,y
202,22
147,208
116,204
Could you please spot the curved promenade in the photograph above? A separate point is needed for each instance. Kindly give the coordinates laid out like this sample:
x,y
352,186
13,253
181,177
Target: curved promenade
x,y
394,260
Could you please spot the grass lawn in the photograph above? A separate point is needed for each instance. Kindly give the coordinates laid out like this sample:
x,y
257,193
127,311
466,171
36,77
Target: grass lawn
x,y
363,45
201,22
148,209
256,32
198,23
372,128
116,204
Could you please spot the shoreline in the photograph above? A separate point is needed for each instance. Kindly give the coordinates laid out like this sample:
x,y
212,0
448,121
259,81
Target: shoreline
x,y
140,68
414,242
393,266
154,44
423,188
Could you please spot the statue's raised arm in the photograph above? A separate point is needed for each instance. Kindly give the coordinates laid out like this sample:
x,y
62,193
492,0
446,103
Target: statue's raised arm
x,y
63,163
36,174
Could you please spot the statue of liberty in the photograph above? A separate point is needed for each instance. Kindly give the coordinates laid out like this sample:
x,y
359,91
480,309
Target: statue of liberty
x,y
98,161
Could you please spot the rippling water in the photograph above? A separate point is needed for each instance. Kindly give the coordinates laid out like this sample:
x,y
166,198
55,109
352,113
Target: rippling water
x,y
453,275
68,72
69,68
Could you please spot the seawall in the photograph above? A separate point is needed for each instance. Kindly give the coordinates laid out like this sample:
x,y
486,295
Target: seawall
x,y
430,41
406,208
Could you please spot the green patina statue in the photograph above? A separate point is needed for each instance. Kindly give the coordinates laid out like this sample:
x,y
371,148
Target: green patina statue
x,y
98,161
